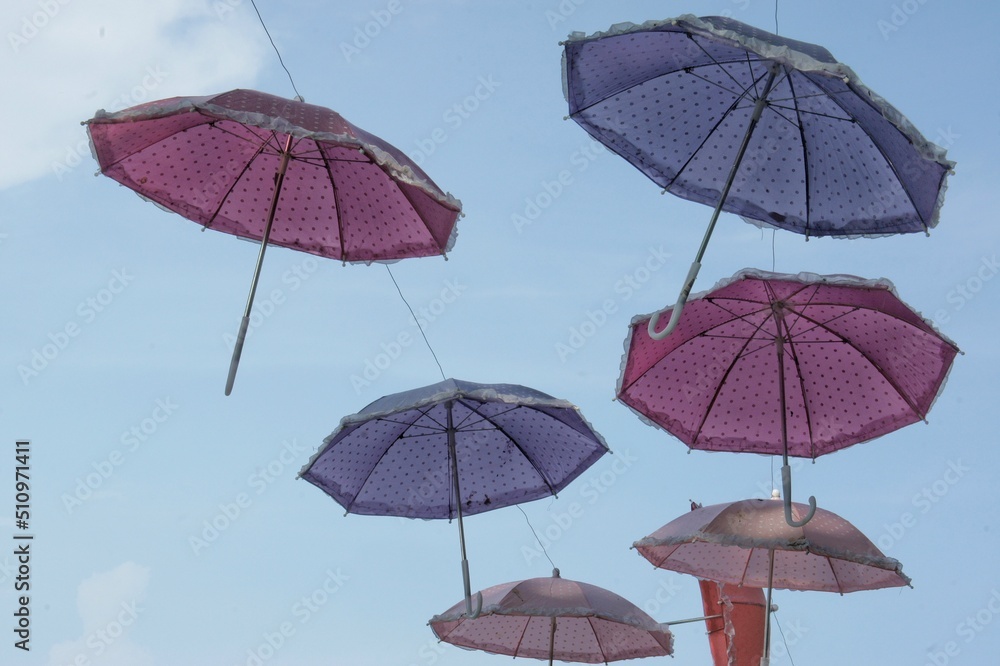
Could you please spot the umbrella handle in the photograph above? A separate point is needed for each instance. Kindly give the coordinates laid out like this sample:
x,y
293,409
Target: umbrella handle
x,y
675,315
237,352
786,484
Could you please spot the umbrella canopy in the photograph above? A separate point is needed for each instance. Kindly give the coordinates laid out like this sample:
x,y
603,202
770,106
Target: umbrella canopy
x,y
772,129
798,365
750,543
454,448
733,543
277,171
555,618
348,195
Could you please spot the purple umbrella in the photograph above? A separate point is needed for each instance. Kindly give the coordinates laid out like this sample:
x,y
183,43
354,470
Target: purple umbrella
x,y
278,171
769,128
454,449
800,365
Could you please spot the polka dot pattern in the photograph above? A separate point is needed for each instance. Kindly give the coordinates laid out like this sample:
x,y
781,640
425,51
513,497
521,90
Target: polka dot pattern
x,y
824,160
397,462
214,160
858,363
592,625
731,543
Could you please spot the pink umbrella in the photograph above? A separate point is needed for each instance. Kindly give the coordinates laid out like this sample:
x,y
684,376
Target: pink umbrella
x,y
555,618
799,365
749,543
278,171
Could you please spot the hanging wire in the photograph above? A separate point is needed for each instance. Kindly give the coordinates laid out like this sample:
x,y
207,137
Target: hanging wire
x,y
416,320
776,17
268,33
773,232
783,640
540,545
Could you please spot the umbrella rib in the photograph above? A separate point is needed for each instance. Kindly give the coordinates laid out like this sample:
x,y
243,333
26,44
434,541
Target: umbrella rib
x,y
887,161
798,372
833,571
503,432
719,64
889,380
232,186
708,135
711,82
805,162
722,380
524,630
339,212
604,656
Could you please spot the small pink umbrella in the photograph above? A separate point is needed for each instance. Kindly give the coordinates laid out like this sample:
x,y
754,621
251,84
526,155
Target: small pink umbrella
x,y
278,171
800,365
555,618
749,543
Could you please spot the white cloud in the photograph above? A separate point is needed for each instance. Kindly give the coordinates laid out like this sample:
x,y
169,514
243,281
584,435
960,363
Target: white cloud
x,y
110,604
61,60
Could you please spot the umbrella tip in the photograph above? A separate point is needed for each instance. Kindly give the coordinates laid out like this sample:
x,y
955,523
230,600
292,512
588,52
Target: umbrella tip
x,y
555,573
775,494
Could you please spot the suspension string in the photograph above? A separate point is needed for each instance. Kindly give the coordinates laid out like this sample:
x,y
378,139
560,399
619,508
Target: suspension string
x,y
783,639
416,320
268,33
540,544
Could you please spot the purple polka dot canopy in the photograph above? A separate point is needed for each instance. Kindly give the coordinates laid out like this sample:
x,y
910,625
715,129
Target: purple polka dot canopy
x,y
346,195
512,444
542,618
829,156
732,543
857,363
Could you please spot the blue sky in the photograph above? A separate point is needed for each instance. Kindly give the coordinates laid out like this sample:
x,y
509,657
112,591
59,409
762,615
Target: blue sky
x,y
135,449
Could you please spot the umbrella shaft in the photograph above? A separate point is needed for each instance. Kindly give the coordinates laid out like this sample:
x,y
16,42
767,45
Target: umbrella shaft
x,y
279,179
758,109
766,659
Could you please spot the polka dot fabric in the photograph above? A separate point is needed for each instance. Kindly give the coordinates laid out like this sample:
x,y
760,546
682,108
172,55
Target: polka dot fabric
x,y
828,157
346,195
512,445
858,363
592,625
731,543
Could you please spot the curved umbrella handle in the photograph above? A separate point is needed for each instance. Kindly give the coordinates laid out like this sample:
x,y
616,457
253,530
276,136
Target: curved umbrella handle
x,y
675,316
786,484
